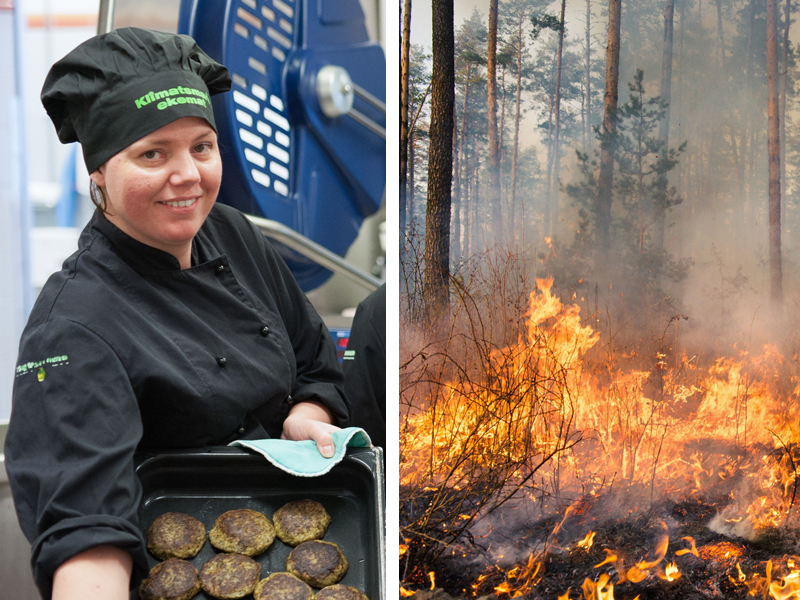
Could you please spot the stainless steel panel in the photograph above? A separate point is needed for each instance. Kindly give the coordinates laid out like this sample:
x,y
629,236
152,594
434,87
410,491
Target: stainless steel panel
x,y
15,551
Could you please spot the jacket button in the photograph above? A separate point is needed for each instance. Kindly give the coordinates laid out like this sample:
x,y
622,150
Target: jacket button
x,y
264,331
241,430
222,361
288,399
221,269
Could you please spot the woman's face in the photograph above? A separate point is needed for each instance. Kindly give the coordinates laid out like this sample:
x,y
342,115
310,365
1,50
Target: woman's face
x,y
160,189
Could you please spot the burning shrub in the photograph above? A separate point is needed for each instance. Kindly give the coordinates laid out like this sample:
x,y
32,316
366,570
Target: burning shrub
x,y
518,401
487,406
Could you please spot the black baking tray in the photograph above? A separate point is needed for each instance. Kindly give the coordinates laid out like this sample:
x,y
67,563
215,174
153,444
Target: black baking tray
x,y
206,483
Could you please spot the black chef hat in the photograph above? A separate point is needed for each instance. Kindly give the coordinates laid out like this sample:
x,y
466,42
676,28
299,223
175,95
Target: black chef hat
x,y
117,87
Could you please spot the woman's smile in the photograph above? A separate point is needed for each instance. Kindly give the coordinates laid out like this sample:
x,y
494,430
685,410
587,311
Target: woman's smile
x,y
181,203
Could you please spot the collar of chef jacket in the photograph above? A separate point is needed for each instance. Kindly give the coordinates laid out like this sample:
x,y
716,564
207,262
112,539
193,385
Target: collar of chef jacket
x,y
142,257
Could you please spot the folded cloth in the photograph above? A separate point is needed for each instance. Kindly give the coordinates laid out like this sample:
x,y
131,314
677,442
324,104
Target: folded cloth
x,y
302,458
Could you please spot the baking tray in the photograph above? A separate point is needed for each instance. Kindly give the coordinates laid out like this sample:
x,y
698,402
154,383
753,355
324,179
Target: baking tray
x,y
208,482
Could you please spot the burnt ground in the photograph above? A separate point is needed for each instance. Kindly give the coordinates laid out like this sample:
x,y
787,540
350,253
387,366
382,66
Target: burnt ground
x,y
712,574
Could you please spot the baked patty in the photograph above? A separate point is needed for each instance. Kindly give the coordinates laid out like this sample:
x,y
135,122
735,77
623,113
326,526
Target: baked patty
x,y
317,562
173,579
340,592
300,521
282,586
243,531
229,576
175,535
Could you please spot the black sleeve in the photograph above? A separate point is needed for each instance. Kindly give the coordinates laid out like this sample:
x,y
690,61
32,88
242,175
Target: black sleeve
x,y
318,376
364,367
73,431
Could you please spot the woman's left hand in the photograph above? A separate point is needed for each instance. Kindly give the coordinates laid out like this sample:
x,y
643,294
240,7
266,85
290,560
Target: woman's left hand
x,y
310,421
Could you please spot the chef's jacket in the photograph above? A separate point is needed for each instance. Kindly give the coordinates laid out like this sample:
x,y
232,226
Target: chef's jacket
x,y
124,350
364,367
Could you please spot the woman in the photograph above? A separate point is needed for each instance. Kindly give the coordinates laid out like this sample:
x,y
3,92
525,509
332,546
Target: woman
x,y
174,325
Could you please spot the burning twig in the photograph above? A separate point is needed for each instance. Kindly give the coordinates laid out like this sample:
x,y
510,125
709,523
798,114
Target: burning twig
x,y
794,471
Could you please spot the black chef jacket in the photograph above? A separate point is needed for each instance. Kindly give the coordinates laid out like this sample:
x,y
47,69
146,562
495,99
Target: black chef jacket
x,y
124,350
364,367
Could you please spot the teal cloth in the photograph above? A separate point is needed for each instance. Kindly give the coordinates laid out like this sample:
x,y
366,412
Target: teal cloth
x,y
302,458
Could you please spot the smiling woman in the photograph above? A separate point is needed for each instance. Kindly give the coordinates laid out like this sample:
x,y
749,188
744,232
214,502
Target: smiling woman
x,y
174,325
160,189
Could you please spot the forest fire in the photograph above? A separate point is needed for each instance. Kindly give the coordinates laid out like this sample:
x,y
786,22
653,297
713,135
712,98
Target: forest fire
x,y
558,461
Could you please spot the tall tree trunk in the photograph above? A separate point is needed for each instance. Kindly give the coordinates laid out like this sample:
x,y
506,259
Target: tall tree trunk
x,y
412,140
440,162
774,149
501,140
588,110
682,169
644,210
739,209
465,170
456,249
720,36
555,190
404,81
476,231
609,129
502,137
749,144
462,165
515,154
548,204
457,160
663,126
494,139
784,77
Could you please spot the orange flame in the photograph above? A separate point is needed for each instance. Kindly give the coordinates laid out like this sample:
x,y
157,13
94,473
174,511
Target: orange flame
x,y
699,429
587,542
602,590
671,572
692,550
404,593
789,589
611,557
742,576
521,579
642,569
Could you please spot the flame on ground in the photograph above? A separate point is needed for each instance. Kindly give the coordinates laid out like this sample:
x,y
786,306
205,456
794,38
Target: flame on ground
x,y
587,542
692,550
670,573
670,426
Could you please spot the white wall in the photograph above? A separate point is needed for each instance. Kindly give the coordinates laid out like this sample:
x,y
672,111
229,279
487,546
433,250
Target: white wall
x,y
15,293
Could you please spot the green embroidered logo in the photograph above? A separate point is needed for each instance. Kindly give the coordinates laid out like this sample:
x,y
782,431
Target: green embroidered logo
x,y
37,366
349,355
184,96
